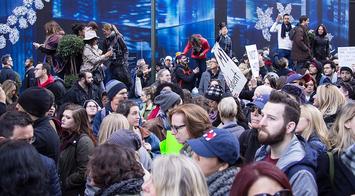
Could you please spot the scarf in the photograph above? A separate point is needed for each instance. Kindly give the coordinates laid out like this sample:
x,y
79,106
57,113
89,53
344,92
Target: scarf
x,y
285,28
348,158
68,139
129,187
221,182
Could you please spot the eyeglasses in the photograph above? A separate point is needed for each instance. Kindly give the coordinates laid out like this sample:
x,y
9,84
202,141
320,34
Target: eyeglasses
x,y
175,129
30,140
285,192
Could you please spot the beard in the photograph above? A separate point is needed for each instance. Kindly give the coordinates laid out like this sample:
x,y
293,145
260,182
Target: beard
x,y
266,138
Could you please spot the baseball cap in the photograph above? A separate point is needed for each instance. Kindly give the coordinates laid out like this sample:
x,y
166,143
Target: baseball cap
x,y
260,101
218,143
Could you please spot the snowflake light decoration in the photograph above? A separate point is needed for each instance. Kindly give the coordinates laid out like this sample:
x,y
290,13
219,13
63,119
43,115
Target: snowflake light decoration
x,y
22,16
264,22
285,10
2,42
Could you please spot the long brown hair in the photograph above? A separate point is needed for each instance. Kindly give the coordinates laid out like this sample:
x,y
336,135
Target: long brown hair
x,y
52,27
81,121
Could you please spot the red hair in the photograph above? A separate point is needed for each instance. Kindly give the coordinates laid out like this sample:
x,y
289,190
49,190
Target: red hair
x,y
250,173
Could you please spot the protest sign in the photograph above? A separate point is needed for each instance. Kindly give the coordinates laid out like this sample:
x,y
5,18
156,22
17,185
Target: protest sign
x,y
346,56
232,74
253,57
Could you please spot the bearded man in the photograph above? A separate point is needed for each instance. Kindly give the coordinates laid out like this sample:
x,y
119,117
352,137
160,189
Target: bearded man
x,y
290,153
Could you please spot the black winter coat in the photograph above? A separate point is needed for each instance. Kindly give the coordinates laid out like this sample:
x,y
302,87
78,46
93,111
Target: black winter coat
x,y
46,138
320,48
344,180
77,95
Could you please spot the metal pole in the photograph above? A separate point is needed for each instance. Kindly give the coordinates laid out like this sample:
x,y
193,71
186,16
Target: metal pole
x,y
153,36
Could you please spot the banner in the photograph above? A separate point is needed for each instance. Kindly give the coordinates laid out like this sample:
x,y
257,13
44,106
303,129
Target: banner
x,y
253,57
234,78
346,56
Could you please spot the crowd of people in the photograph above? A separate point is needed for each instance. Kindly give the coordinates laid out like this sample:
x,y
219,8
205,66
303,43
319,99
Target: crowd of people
x,y
290,131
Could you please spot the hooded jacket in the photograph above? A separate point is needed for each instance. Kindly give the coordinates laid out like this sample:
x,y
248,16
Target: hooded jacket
x,y
298,162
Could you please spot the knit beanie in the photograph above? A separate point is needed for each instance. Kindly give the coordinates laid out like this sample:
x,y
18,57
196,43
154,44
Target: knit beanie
x,y
345,68
35,101
125,138
113,87
214,93
166,99
296,92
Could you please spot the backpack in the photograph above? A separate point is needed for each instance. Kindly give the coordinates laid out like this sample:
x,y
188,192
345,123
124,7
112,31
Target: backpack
x,y
292,33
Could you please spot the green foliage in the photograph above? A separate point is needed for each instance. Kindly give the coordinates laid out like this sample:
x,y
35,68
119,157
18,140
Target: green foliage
x,y
70,45
69,80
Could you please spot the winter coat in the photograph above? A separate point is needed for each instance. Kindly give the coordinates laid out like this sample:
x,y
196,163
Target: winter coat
x,y
47,140
72,164
205,47
298,162
99,116
225,42
185,77
301,50
51,168
317,144
249,144
7,73
343,180
220,183
56,86
92,58
77,95
234,128
206,77
321,48
29,79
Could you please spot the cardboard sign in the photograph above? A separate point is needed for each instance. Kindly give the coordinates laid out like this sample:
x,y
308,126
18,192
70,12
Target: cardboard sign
x,y
232,74
346,56
253,57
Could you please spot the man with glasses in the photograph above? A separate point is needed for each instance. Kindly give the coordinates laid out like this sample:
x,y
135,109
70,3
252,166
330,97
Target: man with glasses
x,y
46,80
18,126
7,73
213,73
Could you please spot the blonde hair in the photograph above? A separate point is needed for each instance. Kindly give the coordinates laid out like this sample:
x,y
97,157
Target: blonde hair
x,y
343,137
111,124
329,99
176,175
228,108
316,124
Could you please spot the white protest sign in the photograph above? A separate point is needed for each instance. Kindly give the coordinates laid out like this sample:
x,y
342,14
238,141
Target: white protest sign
x,y
232,74
253,57
346,56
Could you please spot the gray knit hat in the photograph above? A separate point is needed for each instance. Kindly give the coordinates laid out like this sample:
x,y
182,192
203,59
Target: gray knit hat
x,y
166,99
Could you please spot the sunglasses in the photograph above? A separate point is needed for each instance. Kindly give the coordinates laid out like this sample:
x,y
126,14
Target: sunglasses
x,y
285,192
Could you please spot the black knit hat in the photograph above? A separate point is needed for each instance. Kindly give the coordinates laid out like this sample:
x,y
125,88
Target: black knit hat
x,y
214,93
35,101
345,68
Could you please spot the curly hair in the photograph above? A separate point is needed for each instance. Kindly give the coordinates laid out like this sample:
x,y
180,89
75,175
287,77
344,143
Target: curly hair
x,y
112,163
22,171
